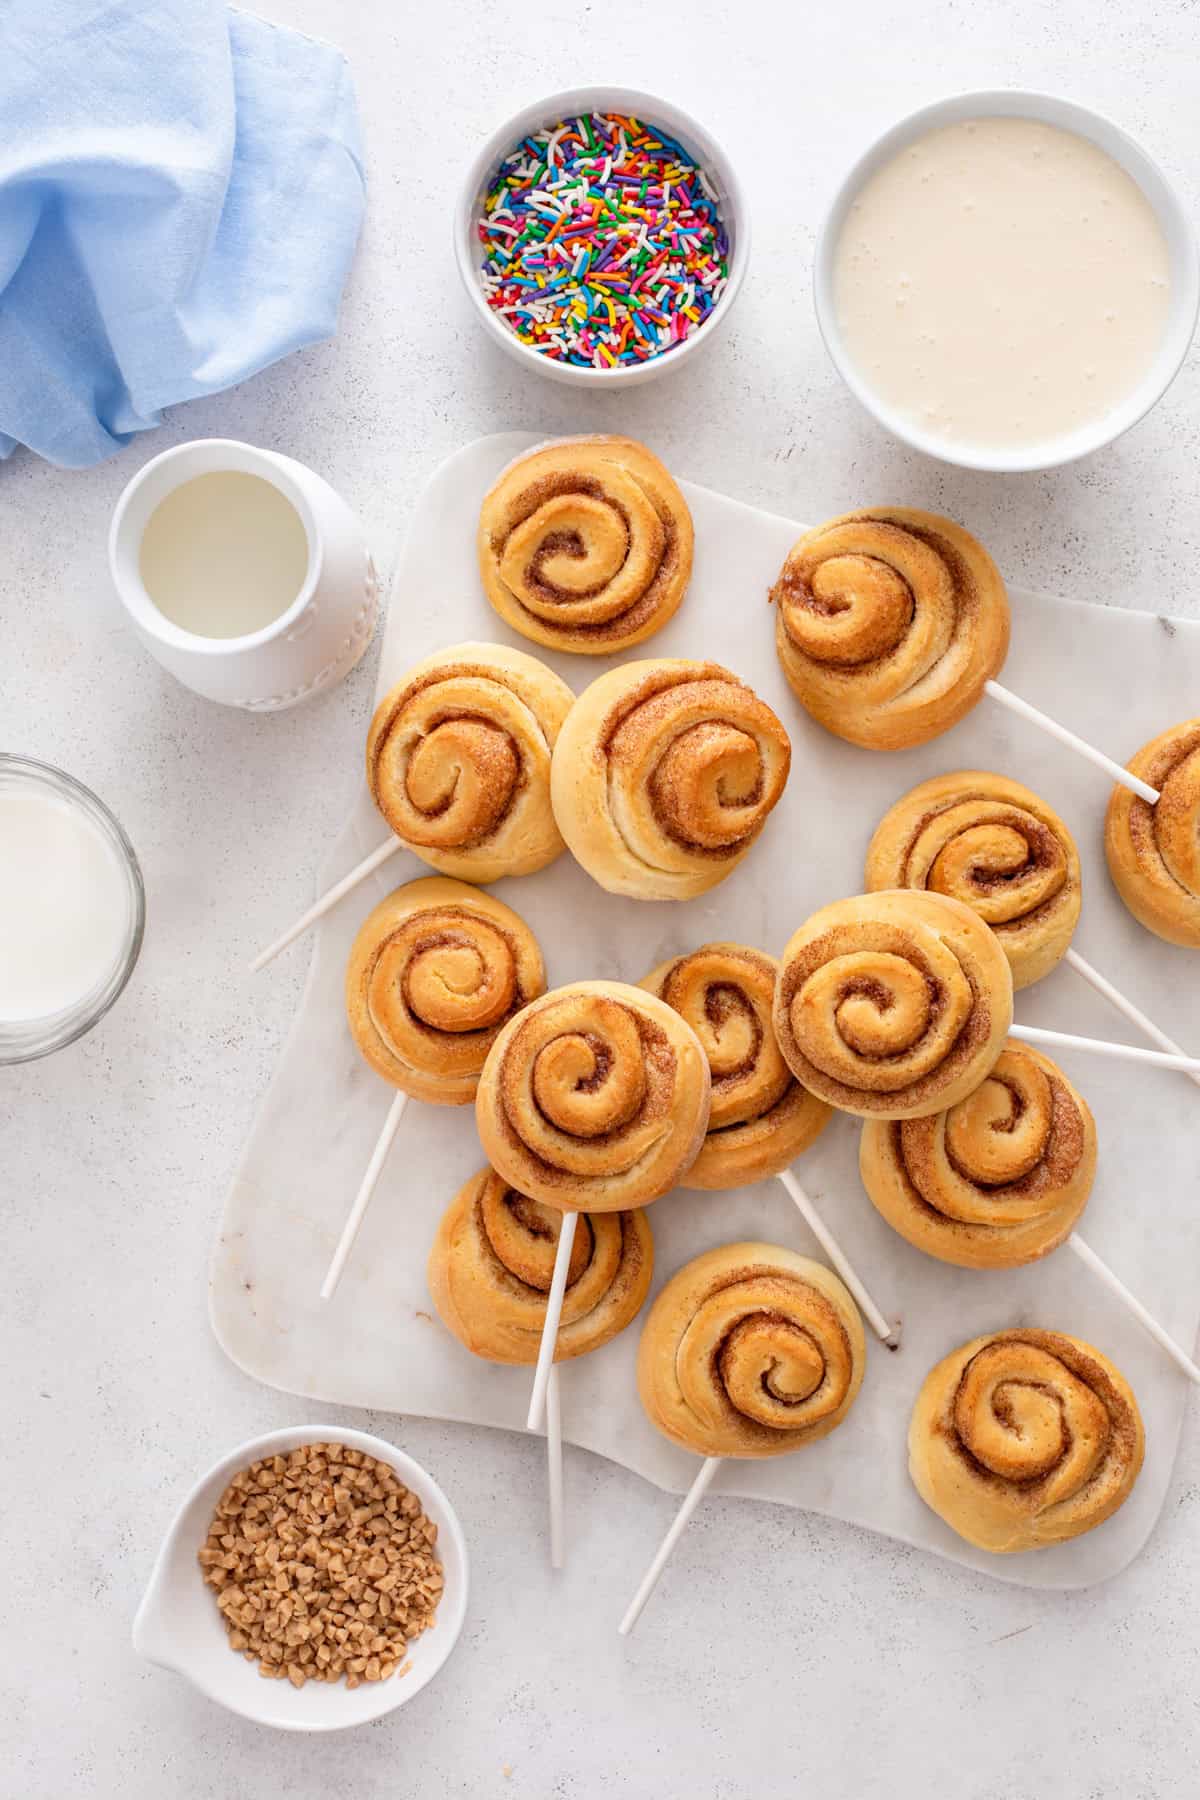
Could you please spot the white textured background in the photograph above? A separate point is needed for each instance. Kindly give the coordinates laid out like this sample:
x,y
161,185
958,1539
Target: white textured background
x,y
781,1653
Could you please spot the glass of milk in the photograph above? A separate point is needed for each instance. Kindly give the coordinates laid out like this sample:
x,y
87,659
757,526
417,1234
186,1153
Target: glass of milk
x,y
72,909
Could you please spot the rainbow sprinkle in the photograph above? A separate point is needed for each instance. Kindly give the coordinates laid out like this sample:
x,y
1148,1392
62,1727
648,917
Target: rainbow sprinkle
x,y
603,242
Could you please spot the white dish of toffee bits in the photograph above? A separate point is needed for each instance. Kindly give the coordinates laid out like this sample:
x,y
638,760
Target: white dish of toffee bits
x,y
313,1579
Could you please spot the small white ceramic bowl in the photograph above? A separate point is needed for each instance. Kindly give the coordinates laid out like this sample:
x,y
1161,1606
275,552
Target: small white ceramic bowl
x,y
1172,216
178,1625
700,145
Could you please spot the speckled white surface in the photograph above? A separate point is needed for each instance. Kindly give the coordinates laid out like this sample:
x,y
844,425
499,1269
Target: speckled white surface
x,y
781,1651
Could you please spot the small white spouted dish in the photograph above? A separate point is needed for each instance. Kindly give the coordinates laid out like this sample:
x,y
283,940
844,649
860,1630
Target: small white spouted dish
x,y
178,1625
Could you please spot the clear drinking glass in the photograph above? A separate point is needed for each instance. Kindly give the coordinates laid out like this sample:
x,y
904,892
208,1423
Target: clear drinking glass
x,y
22,1040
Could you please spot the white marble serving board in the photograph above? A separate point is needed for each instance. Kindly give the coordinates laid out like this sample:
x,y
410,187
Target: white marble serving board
x,y
1116,677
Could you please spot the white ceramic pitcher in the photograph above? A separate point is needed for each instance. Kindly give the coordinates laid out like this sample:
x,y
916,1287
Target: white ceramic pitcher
x,y
312,644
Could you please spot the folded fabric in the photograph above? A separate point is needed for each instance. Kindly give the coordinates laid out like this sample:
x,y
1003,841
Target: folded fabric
x,y
180,195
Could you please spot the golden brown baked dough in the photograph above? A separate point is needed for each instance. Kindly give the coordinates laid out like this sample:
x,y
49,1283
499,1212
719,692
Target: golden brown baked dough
x,y
888,623
585,544
458,760
595,1099
994,845
492,1260
998,1179
1154,851
761,1117
893,1005
664,775
435,972
750,1350
1024,1438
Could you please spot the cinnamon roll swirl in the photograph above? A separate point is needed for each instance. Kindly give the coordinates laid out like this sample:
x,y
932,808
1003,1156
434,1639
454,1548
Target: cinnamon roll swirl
x,y
888,623
585,544
761,1117
493,1258
436,971
458,760
994,845
1024,1438
595,1099
750,1351
893,1005
663,776
999,1178
1154,851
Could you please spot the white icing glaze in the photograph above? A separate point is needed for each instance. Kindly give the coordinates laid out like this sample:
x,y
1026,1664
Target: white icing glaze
x,y
1001,282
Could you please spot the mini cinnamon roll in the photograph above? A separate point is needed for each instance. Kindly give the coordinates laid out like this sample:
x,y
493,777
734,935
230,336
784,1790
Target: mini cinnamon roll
x,y
761,1117
893,1005
750,1351
435,973
997,847
664,774
996,1180
458,760
585,544
1024,1438
595,1099
888,623
493,1258
1153,852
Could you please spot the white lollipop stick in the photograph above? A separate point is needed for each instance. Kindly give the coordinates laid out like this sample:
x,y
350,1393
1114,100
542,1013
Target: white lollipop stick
x,y
554,1306
554,1466
1130,1011
833,1250
339,889
1053,729
1066,1040
361,1200
691,1501
1101,1269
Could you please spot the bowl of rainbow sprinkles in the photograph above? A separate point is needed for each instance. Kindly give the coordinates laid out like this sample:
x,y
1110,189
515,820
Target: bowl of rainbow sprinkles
x,y
602,236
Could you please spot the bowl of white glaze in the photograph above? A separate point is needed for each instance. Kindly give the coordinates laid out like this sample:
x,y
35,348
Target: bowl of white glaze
x,y
1184,282
178,1625
700,145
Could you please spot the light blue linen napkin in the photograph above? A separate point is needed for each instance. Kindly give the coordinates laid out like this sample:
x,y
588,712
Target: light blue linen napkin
x,y
181,191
